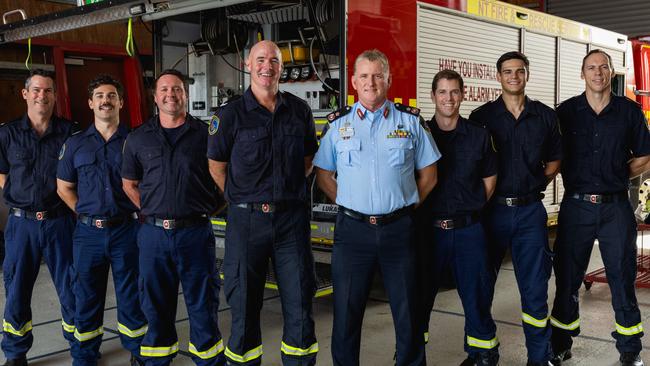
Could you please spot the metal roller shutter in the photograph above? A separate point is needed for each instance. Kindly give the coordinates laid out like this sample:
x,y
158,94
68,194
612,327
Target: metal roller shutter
x,y
571,54
618,58
468,46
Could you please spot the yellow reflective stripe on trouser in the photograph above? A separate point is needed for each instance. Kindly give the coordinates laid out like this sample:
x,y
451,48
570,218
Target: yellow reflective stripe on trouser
x,y
86,336
158,351
480,343
539,323
67,327
213,351
248,356
426,337
7,327
635,329
131,333
295,351
572,326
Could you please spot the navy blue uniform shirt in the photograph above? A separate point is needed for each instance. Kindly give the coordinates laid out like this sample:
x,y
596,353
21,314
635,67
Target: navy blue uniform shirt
x,y
467,157
598,147
174,179
265,151
94,166
30,162
523,145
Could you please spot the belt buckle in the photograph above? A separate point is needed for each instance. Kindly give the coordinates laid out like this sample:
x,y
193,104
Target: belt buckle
x,y
168,224
373,220
40,215
509,201
266,208
593,198
99,223
447,224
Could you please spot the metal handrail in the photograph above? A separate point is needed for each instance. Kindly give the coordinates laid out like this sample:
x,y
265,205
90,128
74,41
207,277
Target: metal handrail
x,y
12,12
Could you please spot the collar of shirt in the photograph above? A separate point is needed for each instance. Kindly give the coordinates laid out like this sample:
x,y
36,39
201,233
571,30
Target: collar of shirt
x,y
26,126
250,102
582,104
155,123
363,112
120,133
529,108
461,127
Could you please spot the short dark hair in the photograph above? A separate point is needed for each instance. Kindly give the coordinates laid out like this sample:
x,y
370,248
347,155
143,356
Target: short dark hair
x,y
105,79
41,73
512,55
449,75
173,72
597,50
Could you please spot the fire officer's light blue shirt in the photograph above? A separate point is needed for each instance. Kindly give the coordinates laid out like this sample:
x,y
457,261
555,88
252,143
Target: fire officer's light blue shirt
x,y
375,155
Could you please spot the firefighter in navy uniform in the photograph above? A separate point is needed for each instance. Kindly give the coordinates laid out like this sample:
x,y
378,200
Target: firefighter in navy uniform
x,y
165,173
261,148
606,142
89,182
377,148
528,145
40,225
450,233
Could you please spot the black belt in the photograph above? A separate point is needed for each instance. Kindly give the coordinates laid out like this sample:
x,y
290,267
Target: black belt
x,y
170,224
267,207
37,215
457,222
599,198
519,201
102,222
377,219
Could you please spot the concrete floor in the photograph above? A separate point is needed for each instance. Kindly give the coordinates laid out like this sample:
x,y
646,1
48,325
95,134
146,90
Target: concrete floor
x,y
594,347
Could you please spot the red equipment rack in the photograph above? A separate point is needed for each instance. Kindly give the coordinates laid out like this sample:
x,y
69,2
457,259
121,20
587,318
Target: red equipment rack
x,y
642,264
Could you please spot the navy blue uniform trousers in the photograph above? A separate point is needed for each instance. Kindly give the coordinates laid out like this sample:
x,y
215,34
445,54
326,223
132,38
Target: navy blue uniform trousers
x,y
614,225
26,242
167,258
95,251
252,238
359,249
465,251
522,229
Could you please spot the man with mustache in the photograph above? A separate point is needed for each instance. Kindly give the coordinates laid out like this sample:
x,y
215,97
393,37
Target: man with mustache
x,y
89,182
165,174
261,148
40,225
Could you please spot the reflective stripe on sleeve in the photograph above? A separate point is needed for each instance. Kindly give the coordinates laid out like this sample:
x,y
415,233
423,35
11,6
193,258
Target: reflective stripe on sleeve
x,y
248,356
8,328
480,343
295,351
539,323
572,326
204,355
158,351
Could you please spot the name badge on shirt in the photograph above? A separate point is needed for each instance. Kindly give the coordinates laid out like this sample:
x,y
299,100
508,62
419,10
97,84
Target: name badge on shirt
x,y
346,132
399,134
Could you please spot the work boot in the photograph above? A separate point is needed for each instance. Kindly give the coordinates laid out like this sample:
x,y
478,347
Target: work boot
x,y
561,356
23,362
630,359
136,361
482,359
545,363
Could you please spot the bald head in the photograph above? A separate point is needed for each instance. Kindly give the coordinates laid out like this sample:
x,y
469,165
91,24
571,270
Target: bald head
x,y
265,65
265,45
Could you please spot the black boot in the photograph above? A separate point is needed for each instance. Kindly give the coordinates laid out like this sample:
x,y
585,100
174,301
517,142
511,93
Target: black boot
x,y
630,359
561,356
482,359
136,361
16,362
545,363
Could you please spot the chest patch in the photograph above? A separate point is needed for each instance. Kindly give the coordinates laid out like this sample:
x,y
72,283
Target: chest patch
x,y
400,134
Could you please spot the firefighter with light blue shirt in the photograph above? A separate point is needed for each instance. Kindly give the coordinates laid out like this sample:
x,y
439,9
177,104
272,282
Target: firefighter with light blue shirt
x,y
385,164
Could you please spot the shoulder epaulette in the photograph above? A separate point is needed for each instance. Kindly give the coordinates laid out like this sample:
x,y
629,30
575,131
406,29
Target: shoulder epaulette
x,y
338,113
474,123
406,109
479,108
634,102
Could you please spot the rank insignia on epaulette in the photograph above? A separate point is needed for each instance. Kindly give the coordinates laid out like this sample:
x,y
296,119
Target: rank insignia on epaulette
x,y
214,125
338,113
62,152
411,110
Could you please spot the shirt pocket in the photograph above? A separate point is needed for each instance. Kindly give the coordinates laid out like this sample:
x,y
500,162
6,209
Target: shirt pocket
x,y
252,144
151,160
294,139
20,156
399,151
467,165
348,152
84,164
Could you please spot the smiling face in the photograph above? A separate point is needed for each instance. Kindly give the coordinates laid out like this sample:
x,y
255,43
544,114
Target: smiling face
x,y
106,103
40,96
447,98
371,82
265,66
170,96
597,73
513,77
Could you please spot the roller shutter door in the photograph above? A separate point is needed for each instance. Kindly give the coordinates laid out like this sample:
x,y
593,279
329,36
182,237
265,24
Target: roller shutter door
x,y
618,58
571,54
